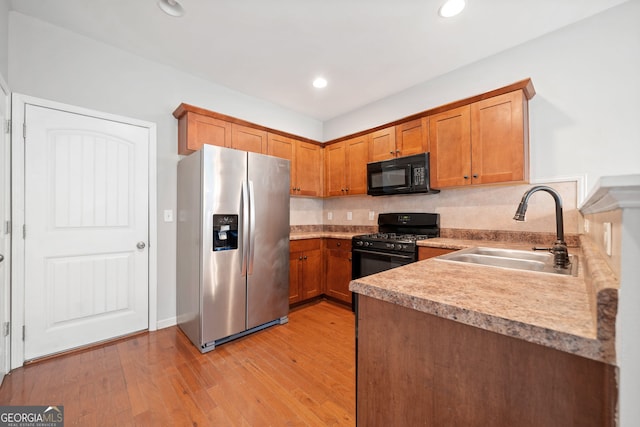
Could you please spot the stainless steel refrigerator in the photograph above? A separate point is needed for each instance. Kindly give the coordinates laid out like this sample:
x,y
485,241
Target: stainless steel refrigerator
x,y
232,244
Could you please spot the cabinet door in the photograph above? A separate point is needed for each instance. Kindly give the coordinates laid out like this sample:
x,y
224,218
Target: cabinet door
x,y
283,147
499,139
425,252
338,269
195,130
295,266
311,274
248,139
412,137
335,169
382,144
357,153
450,145
308,169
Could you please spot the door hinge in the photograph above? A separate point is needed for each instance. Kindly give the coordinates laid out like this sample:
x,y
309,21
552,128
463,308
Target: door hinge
x,y
7,227
6,328
24,231
24,130
24,328
7,126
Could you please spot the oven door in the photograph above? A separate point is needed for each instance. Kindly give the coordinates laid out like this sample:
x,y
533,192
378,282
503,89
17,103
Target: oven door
x,y
366,262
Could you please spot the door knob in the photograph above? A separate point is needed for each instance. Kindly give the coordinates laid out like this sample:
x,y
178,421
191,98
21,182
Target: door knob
x,y
141,245
1,257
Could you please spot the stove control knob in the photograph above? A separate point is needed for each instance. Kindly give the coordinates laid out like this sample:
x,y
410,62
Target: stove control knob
x,y
358,243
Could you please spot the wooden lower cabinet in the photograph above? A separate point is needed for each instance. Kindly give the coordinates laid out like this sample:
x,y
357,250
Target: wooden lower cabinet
x,y
338,269
425,252
415,369
305,269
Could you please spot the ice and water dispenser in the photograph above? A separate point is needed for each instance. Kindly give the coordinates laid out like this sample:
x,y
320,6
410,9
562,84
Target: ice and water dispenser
x,y
225,232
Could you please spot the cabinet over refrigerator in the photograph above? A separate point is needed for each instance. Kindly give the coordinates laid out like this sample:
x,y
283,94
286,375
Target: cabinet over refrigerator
x,y
232,244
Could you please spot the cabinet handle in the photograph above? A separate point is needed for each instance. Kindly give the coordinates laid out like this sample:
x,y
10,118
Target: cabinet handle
x,y
466,177
475,175
339,244
346,189
305,257
349,259
390,152
300,258
397,151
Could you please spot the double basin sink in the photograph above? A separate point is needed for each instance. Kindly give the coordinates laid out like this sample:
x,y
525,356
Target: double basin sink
x,y
513,259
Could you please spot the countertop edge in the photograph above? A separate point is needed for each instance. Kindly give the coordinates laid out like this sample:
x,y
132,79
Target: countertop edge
x,y
599,347
590,348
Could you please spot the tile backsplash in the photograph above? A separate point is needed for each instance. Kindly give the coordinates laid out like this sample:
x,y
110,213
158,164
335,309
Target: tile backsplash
x,y
479,208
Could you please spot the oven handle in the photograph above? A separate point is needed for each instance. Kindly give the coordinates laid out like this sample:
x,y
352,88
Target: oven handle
x,y
364,251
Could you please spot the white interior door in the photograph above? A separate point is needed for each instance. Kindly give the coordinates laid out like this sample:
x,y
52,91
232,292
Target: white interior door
x,y
86,230
4,232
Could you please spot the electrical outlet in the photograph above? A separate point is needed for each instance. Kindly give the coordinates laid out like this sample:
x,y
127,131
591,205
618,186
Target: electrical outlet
x,y
168,215
372,215
607,237
329,216
349,216
586,225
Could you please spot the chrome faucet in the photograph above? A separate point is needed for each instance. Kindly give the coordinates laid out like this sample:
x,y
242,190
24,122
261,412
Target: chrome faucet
x,y
559,249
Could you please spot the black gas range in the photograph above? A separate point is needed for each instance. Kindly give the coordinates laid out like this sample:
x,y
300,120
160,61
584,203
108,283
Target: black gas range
x,y
395,243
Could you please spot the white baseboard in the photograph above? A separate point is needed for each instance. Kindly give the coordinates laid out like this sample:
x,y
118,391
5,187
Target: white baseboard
x,y
165,323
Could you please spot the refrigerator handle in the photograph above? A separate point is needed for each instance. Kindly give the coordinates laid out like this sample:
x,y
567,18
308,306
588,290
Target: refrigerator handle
x,y
252,226
245,228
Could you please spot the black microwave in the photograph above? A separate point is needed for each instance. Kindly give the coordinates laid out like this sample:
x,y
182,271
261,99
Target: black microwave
x,y
401,175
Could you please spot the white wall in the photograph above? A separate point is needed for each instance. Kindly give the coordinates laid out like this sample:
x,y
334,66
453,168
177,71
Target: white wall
x,y
4,38
584,117
52,63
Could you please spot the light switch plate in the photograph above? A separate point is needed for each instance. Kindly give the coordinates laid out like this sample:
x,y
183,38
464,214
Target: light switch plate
x,y
349,216
168,215
329,216
372,215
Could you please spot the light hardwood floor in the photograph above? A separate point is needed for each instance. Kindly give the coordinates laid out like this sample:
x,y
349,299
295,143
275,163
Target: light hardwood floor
x,y
298,374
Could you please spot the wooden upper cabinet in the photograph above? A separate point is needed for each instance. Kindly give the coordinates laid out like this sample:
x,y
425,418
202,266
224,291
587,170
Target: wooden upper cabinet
x,y
481,143
334,172
248,139
308,163
500,139
412,137
356,156
450,145
346,167
283,147
382,144
195,130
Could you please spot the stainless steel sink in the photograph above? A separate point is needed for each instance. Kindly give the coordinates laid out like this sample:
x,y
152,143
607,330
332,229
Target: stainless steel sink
x,y
513,259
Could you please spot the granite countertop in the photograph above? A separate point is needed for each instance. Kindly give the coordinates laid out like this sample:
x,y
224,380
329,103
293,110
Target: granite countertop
x,y
301,235
563,312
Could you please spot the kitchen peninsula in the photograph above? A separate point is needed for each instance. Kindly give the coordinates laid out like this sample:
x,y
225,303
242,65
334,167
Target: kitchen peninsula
x,y
458,344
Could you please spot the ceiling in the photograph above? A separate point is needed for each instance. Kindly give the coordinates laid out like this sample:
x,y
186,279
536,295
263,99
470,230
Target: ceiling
x,y
272,49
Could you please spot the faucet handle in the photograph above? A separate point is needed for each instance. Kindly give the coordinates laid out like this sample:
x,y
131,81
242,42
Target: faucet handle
x,y
535,248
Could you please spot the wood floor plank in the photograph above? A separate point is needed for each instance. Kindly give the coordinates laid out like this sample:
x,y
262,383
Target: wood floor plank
x,y
298,374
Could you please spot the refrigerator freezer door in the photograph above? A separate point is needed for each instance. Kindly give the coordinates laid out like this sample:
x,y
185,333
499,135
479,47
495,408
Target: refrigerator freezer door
x,y
268,278
223,286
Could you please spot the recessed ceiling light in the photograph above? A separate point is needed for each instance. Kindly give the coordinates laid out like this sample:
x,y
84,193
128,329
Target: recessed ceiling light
x,y
451,8
171,7
320,82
